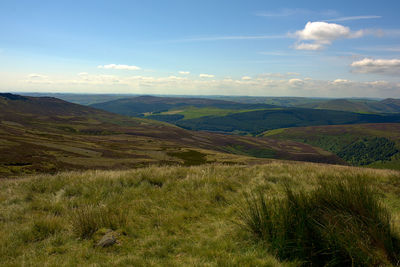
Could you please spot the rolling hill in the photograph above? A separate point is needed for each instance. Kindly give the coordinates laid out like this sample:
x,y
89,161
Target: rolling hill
x,y
49,135
241,118
137,106
373,145
359,105
256,122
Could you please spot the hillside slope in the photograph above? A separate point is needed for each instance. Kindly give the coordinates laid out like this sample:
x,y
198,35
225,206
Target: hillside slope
x,y
49,135
256,122
357,105
137,106
161,216
375,145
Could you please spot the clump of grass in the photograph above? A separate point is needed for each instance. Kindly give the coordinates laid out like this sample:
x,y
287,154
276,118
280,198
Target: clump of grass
x,y
340,223
41,229
87,219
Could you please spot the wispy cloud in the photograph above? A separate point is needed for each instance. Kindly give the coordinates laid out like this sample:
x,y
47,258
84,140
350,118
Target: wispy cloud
x,y
184,72
380,48
118,67
37,76
353,18
227,38
204,75
286,12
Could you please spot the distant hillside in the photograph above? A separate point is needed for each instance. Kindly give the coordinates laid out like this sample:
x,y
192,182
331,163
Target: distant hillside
x,y
374,145
137,106
49,135
392,103
361,106
81,99
256,122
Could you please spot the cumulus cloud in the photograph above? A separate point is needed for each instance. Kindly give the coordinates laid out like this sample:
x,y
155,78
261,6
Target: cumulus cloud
x,y
204,75
184,72
295,81
246,78
322,33
118,67
380,66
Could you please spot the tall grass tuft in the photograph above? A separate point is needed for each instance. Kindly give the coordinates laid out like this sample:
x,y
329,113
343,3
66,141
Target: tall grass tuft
x,y
340,223
88,219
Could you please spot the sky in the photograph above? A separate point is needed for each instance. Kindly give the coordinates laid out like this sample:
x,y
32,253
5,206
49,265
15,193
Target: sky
x,y
220,47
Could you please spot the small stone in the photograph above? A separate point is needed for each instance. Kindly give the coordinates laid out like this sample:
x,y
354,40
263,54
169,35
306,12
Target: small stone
x,y
107,240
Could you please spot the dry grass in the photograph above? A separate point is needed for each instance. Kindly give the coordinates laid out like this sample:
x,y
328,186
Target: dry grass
x,y
170,216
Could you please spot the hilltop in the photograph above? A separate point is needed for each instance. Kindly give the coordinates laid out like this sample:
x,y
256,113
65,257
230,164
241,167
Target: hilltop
x,y
49,135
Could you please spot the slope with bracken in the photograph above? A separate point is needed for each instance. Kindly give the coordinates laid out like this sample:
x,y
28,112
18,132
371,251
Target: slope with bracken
x,y
49,135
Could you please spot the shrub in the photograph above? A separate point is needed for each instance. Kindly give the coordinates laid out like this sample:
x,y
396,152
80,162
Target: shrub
x,y
88,219
340,223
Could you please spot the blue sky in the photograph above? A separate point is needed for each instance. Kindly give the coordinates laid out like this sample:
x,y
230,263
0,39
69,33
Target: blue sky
x,y
281,48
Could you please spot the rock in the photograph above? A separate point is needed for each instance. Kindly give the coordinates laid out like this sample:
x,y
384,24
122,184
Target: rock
x,y
107,240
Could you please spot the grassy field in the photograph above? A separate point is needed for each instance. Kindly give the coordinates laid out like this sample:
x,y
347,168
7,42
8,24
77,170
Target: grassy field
x,y
160,216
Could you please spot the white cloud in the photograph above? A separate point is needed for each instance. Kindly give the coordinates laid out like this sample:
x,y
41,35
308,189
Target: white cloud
x,y
37,76
204,75
279,75
321,33
118,67
380,66
295,81
341,81
184,72
354,18
258,86
246,78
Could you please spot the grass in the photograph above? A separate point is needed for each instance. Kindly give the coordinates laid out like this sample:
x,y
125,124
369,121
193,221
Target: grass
x,y
166,216
339,223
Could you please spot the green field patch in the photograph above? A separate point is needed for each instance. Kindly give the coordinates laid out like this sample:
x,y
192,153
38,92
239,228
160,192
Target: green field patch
x,y
273,132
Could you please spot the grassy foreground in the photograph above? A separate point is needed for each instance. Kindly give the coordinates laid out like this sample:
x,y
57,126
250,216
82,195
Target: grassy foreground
x,y
169,216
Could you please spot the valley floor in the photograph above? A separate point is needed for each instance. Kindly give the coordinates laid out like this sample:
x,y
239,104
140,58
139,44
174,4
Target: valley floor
x,y
162,216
